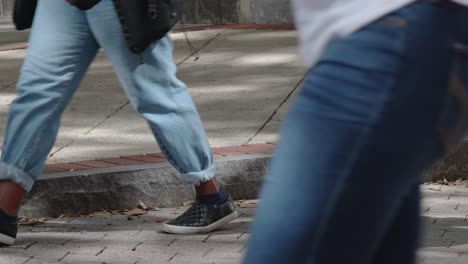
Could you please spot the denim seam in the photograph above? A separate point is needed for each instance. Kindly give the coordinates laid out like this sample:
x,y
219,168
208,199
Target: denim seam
x,y
26,185
323,224
170,156
34,143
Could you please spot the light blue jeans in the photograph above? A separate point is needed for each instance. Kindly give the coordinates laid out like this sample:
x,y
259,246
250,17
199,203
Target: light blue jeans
x,y
381,106
64,41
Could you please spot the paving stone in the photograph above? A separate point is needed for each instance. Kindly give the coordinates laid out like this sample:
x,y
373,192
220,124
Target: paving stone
x,y
153,237
12,257
184,259
115,239
46,237
89,248
42,261
47,251
157,253
169,240
52,229
130,236
119,250
436,257
83,258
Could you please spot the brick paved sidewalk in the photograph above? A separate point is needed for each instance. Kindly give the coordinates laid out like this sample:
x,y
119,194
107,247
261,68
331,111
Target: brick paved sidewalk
x,y
445,215
118,239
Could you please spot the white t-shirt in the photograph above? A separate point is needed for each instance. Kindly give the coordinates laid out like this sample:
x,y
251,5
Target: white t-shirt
x,y
322,21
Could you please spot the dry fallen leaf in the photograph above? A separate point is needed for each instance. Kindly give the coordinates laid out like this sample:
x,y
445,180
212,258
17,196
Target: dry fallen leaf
x,y
154,209
188,203
142,205
136,212
433,189
66,216
103,213
27,221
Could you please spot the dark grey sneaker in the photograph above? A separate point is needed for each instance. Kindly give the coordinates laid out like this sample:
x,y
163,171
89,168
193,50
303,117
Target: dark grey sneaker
x,y
8,231
202,219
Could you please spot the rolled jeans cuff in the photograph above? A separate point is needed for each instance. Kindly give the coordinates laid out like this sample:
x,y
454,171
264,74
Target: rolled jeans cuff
x,y
12,173
196,178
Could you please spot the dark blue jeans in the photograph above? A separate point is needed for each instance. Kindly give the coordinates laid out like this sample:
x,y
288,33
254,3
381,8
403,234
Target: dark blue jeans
x,y
380,107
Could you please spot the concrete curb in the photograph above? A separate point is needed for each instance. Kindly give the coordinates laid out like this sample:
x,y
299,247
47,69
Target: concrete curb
x,y
75,188
120,183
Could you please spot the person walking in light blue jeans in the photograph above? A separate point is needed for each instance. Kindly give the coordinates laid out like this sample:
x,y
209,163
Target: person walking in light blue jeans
x,y
63,42
381,102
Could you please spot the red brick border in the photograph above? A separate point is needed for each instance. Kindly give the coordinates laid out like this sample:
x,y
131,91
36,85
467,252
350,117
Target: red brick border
x,y
16,46
239,26
153,158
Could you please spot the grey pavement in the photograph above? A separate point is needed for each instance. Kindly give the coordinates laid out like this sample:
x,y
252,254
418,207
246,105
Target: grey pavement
x,y
9,36
105,238
445,216
242,85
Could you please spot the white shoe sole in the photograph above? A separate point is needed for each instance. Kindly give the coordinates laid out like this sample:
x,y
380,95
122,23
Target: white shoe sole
x,y
185,230
6,240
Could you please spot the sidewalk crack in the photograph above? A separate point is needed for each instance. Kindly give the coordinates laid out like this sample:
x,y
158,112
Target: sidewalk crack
x,y
91,129
30,245
199,49
134,248
100,252
6,86
206,253
206,238
68,253
171,258
243,248
243,233
443,233
172,242
273,114
28,260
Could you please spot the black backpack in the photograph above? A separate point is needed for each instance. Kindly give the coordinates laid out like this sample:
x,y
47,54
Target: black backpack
x,y
143,21
146,21
23,13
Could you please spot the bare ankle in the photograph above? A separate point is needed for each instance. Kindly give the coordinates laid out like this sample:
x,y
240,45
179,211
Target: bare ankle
x,y
210,187
11,195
